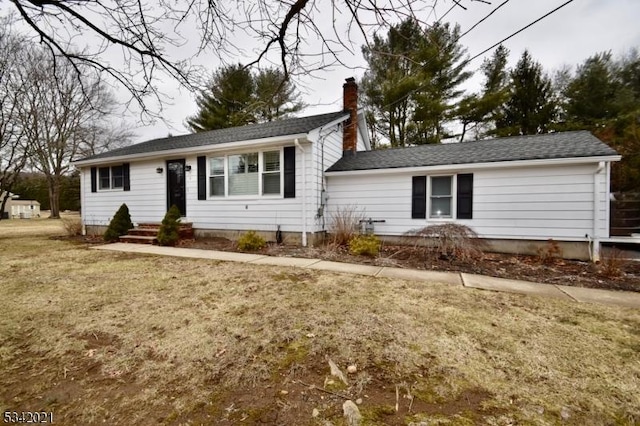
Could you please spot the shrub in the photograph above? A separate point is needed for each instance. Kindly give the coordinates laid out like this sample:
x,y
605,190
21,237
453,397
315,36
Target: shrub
x,y
365,245
450,240
344,224
72,226
250,241
612,263
548,254
119,225
169,232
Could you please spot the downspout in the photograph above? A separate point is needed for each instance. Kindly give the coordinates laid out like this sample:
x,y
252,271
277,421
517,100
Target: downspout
x,y
304,193
83,207
595,253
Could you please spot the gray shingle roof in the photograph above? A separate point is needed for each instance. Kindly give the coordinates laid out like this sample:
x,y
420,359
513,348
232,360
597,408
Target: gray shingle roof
x,y
534,147
291,126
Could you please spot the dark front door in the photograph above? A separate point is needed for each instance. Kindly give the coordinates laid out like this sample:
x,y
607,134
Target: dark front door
x,y
176,185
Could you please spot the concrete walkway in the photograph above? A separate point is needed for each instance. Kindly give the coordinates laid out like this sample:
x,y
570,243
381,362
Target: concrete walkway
x,y
577,294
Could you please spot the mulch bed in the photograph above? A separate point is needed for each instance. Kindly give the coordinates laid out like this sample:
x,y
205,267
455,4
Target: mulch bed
x,y
612,273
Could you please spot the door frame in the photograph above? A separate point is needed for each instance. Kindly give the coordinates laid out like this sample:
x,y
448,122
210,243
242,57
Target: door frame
x,y
184,184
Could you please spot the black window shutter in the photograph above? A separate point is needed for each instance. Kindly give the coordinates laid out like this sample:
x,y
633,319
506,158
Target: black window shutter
x,y
202,178
419,198
126,184
465,196
94,179
290,172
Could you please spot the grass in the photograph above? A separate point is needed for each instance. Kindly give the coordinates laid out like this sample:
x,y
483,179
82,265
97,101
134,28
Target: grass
x,y
102,337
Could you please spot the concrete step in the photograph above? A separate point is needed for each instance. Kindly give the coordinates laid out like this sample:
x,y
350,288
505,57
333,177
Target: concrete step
x,y
138,239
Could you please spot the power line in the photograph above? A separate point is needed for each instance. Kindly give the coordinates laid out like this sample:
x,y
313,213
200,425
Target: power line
x,y
519,31
488,49
483,19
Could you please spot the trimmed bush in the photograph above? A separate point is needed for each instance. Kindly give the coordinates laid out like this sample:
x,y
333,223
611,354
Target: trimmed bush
x,y
449,241
365,245
169,232
250,241
119,225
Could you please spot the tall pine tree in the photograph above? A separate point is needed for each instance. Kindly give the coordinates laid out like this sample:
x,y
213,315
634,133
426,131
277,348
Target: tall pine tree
x,y
531,107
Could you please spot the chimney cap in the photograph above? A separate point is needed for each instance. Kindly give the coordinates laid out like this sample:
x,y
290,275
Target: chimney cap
x,y
350,80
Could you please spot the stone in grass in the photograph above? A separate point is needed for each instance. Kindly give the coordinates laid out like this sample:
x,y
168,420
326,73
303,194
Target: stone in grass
x,y
351,413
315,413
335,371
352,369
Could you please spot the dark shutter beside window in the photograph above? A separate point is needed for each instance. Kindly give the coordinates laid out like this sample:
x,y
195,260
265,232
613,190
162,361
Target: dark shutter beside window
x,y
126,179
290,172
202,178
94,179
419,197
465,196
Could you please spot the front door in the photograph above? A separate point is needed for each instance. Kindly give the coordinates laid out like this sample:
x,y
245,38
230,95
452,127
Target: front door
x,y
176,185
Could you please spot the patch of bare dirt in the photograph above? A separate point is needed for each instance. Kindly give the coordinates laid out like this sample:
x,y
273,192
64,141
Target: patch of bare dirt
x,y
613,273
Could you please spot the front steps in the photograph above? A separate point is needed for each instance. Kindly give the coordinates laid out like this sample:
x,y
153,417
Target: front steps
x,y
147,233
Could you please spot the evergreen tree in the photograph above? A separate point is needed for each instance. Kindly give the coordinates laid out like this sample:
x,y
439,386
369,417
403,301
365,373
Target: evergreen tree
x,y
275,97
169,232
591,94
412,78
227,101
236,97
391,80
119,225
531,107
482,110
441,60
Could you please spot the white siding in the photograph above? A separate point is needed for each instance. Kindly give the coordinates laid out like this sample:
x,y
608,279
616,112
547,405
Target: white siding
x,y
146,200
530,203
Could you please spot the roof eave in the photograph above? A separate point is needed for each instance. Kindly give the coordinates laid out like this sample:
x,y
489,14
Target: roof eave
x,y
191,150
478,166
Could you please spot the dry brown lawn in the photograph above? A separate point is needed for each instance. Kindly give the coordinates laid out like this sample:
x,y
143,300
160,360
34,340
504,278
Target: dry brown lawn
x,y
107,338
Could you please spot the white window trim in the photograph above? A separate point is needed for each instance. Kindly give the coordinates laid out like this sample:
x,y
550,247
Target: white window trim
x,y
110,188
454,191
259,195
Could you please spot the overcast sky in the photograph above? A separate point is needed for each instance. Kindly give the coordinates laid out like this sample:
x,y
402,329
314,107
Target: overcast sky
x,y
567,37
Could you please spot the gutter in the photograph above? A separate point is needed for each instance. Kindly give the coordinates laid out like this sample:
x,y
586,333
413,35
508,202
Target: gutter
x,y
475,166
595,248
201,149
304,193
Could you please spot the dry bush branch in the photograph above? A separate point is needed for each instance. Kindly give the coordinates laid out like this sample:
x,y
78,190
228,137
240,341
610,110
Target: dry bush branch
x,y
72,226
449,240
344,223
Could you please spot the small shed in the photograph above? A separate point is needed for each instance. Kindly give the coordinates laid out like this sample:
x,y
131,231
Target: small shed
x,y
24,209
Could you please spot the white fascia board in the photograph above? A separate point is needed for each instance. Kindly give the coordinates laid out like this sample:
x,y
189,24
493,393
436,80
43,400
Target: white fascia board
x,y
173,153
362,126
477,166
314,134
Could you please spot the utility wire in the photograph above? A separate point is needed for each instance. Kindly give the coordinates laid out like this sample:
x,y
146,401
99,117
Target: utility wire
x,y
486,50
519,31
483,19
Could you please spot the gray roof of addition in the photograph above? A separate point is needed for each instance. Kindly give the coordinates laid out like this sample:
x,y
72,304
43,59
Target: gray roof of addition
x,y
533,147
290,126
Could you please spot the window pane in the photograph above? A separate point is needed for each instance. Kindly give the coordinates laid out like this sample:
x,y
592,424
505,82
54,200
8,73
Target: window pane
x,y
441,185
271,183
243,174
217,166
441,207
216,185
272,161
105,178
117,177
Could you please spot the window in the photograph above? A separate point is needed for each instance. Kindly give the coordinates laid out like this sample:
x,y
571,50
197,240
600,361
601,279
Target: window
x,y
441,196
216,177
439,199
243,174
253,174
111,177
271,173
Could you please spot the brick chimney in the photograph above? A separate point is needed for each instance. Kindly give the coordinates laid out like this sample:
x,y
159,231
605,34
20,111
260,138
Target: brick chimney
x,y
350,127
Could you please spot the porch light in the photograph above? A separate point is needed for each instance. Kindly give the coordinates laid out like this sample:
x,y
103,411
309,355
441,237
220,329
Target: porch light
x,y
187,167
159,170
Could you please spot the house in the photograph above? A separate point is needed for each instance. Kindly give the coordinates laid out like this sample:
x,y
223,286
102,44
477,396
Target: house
x,y
17,208
255,177
294,174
